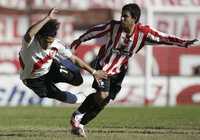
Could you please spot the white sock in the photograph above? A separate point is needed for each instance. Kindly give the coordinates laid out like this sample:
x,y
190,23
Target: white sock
x,y
81,126
79,115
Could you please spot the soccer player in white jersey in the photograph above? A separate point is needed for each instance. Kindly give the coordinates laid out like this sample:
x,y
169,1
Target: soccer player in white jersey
x,y
124,39
40,70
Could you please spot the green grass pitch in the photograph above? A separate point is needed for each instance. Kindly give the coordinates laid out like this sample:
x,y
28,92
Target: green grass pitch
x,y
114,123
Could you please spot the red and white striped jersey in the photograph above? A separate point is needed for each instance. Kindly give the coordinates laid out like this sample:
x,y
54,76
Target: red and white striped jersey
x,y
36,61
120,46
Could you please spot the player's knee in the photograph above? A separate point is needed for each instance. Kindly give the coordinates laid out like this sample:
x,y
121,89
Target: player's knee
x,y
102,98
78,80
103,95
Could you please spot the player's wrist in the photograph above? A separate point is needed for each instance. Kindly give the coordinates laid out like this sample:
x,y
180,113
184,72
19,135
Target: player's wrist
x,y
94,72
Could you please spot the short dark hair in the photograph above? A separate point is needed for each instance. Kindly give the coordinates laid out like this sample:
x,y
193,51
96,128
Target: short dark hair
x,y
134,10
49,29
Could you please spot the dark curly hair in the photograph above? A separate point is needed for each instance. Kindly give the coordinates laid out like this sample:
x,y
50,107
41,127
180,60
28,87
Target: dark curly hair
x,y
134,10
49,29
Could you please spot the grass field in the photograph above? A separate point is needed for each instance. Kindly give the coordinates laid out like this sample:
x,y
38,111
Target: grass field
x,y
125,123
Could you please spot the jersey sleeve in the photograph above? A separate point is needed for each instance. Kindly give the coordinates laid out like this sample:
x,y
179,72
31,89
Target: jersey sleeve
x,y
157,37
96,31
64,50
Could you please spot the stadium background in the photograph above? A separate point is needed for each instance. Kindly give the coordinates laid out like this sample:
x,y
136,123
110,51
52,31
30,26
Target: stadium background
x,y
157,76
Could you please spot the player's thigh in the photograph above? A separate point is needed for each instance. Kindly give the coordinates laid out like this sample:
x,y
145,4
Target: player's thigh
x,y
102,87
55,92
38,86
74,75
115,84
71,77
61,73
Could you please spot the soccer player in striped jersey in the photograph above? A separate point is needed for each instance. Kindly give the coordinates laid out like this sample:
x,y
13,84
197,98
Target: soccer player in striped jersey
x,y
40,70
124,39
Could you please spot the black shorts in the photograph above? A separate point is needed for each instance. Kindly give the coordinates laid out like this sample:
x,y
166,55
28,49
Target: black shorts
x,y
112,84
44,86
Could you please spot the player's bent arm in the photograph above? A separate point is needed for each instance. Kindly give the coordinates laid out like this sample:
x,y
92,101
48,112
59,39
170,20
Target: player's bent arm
x,y
94,32
32,31
99,74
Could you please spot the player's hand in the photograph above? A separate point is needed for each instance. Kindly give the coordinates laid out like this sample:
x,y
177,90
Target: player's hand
x,y
52,13
99,74
75,44
196,43
190,42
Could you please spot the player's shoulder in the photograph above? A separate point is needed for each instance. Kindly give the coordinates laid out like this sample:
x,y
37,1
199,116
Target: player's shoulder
x,y
58,44
142,27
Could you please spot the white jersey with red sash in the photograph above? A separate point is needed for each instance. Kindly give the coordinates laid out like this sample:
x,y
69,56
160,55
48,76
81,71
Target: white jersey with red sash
x,y
36,61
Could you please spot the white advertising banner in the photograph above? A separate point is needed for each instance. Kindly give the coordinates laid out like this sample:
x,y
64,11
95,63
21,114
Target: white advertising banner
x,y
182,91
13,93
132,92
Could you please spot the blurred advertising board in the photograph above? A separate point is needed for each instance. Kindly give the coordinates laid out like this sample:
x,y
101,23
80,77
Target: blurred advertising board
x,y
167,61
13,93
76,16
164,91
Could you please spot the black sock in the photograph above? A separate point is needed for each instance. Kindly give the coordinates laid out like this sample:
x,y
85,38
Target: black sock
x,y
93,112
91,115
87,104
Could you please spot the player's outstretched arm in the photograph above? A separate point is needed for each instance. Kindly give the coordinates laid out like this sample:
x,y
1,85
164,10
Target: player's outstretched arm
x,y
32,31
156,37
99,74
195,43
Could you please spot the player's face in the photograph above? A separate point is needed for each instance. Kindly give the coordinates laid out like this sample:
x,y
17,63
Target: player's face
x,y
127,21
46,41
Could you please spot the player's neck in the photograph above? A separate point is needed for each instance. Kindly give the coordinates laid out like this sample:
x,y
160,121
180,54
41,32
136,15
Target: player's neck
x,y
130,30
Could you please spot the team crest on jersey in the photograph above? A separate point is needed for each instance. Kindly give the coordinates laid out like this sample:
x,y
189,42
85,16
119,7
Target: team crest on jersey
x,y
122,50
124,46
